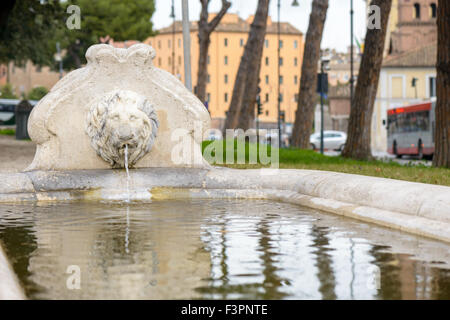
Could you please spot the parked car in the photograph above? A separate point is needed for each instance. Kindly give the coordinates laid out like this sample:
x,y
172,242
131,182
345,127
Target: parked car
x,y
332,140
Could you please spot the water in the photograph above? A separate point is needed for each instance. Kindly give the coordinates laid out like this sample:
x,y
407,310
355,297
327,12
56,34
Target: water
x,y
128,173
215,249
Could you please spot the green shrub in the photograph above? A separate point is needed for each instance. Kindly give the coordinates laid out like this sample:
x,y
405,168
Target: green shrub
x,y
37,93
7,92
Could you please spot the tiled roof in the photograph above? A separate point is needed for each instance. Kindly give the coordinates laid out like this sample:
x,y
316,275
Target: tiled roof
x,y
240,26
425,56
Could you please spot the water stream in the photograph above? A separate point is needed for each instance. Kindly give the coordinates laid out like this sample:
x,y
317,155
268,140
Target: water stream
x,y
128,173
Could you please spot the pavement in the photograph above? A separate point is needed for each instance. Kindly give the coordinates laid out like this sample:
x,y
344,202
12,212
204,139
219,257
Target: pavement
x,y
15,155
384,156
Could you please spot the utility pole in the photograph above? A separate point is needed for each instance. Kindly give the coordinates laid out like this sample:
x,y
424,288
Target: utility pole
x,y
59,59
352,84
278,71
172,15
186,45
321,107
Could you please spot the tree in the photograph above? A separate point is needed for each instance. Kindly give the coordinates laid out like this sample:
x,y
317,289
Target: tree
x,y
241,111
307,95
37,93
205,29
26,27
359,126
119,19
442,133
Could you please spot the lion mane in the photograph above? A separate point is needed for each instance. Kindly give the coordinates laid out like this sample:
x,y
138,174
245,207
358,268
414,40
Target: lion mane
x,y
122,118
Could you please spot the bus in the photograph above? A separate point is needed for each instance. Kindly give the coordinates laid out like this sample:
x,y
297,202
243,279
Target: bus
x,y
411,130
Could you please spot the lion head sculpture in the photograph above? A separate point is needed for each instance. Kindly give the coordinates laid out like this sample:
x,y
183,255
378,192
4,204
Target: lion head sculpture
x,y
122,119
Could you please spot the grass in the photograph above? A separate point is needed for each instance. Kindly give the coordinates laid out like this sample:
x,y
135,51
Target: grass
x,y
292,158
7,132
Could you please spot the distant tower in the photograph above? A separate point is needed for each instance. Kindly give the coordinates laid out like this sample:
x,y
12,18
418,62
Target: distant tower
x,y
415,25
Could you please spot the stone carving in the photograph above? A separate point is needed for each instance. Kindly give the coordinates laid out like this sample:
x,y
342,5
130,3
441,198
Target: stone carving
x,y
58,122
119,119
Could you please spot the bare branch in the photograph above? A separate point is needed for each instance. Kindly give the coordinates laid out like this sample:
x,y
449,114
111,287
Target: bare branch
x,y
214,22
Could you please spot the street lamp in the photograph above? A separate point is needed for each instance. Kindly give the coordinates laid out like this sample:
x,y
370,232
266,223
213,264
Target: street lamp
x,y
293,4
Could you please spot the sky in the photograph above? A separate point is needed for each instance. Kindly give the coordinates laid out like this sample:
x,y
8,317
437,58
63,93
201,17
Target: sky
x,y
337,27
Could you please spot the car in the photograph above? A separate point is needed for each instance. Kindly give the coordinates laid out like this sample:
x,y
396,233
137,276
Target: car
x,y
332,140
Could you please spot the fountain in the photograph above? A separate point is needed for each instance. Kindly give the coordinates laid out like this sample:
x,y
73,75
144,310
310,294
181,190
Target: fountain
x,y
120,126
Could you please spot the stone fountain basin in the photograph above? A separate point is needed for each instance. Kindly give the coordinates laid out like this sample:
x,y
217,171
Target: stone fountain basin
x,y
417,208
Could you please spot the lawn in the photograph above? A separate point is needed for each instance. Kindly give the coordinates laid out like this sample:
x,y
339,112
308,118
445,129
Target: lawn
x,y
292,158
7,132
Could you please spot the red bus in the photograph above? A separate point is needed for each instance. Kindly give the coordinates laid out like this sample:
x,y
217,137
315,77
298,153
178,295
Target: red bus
x,y
411,130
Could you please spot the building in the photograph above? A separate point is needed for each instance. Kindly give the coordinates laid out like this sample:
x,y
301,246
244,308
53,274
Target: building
x,y
30,76
25,78
3,74
225,51
408,73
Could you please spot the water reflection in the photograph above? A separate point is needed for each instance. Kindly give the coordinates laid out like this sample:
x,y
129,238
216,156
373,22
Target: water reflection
x,y
216,249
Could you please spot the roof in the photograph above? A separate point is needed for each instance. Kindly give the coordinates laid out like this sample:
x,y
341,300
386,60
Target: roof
x,y
425,56
240,25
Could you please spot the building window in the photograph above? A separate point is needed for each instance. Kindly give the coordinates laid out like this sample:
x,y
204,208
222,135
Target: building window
x,y
295,79
295,61
433,9
281,97
241,42
159,44
267,61
208,97
281,80
226,78
208,59
179,43
225,98
225,42
417,10
266,42
281,44
225,60
209,78
267,97
267,113
267,79
295,44
159,61
432,87
281,61
296,97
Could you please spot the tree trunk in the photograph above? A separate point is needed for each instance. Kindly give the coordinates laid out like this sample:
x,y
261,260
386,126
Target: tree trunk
x,y
205,29
256,37
358,145
241,110
442,132
308,83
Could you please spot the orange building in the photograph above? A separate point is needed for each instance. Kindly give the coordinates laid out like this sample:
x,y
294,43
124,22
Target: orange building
x,y
225,51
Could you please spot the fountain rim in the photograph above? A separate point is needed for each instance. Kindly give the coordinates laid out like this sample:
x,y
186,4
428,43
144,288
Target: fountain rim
x,y
415,208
